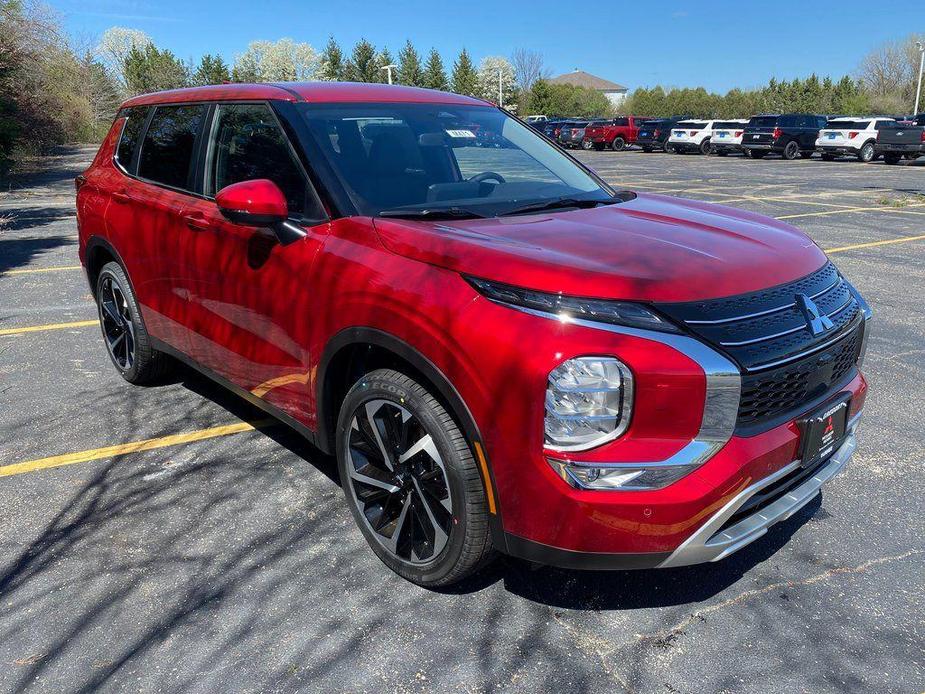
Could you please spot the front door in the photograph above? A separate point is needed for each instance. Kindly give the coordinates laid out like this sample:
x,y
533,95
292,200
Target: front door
x,y
253,307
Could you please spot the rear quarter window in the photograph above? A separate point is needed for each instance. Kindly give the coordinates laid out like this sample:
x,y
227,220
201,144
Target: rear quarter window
x,y
169,144
130,137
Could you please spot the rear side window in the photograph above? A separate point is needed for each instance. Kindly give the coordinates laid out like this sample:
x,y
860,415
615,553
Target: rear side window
x,y
621,121
763,122
131,136
247,143
169,144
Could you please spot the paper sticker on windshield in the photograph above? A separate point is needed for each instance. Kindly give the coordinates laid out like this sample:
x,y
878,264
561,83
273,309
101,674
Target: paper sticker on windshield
x,y
460,133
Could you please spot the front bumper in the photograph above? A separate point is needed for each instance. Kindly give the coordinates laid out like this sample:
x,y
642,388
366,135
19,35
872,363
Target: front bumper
x,y
715,541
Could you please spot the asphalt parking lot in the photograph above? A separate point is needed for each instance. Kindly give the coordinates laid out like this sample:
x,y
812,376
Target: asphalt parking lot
x,y
168,539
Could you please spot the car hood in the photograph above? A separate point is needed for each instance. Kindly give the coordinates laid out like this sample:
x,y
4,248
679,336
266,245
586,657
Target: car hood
x,y
650,248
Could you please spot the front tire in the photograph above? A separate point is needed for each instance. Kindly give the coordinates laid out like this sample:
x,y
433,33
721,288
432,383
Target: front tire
x,y
892,157
411,481
587,145
127,341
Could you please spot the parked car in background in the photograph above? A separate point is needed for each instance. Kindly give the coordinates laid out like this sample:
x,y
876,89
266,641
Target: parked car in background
x,y
653,134
537,119
727,136
791,135
615,134
898,141
856,137
571,133
692,135
551,128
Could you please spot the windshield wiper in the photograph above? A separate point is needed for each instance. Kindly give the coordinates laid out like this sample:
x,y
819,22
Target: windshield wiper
x,y
560,203
433,213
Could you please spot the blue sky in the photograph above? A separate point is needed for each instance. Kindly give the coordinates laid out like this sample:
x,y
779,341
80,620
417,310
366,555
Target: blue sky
x,y
715,43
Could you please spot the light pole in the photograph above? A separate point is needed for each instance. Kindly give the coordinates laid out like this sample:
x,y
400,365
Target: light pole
x,y
500,91
388,69
918,87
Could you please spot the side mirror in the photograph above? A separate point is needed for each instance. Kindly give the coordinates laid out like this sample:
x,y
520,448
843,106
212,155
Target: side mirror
x,y
253,203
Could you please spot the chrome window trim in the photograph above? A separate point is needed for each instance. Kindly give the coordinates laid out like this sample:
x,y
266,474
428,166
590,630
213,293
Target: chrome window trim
x,y
724,387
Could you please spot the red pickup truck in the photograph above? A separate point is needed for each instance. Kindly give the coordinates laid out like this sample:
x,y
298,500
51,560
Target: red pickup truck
x,y
615,134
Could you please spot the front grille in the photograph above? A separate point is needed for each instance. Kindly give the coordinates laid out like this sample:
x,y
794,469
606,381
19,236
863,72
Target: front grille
x,y
784,365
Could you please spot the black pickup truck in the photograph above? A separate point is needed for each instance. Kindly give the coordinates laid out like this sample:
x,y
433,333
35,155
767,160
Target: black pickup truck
x,y
898,141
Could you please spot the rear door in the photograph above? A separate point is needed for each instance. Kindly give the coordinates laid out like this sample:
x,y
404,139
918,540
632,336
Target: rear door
x,y
162,186
254,307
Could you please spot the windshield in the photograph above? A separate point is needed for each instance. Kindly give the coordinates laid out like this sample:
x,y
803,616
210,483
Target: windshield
x,y
439,156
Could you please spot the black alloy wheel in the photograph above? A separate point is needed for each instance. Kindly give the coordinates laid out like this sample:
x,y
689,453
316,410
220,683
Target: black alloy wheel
x,y
118,331
398,481
124,333
791,150
411,481
618,144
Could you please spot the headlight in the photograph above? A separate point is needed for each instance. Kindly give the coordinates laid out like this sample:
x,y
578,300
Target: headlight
x,y
569,307
589,400
628,477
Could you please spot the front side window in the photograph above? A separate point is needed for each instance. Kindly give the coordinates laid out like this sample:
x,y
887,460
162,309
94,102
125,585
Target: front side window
x,y
167,150
441,156
131,135
247,143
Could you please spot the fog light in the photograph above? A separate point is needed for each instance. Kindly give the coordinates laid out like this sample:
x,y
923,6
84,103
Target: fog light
x,y
588,402
628,477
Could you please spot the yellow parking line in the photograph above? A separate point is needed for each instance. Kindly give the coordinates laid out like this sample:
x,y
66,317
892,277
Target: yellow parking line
x,y
875,243
854,209
48,326
131,447
31,271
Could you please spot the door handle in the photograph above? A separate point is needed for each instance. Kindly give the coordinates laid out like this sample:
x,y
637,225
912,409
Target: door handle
x,y
121,197
196,221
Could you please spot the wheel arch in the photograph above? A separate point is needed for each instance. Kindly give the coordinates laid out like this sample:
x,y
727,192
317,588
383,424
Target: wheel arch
x,y
99,252
358,350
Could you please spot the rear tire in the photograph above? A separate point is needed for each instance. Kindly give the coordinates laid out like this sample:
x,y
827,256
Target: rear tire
x,y
646,149
706,147
668,148
425,515
791,150
127,341
828,157
892,157
720,154
757,154
806,155
587,145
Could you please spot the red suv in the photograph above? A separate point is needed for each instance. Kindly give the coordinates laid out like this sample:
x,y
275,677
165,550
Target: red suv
x,y
504,353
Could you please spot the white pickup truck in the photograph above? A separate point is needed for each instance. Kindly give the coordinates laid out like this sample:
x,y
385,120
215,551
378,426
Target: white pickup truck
x,y
856,137
727,136
690,136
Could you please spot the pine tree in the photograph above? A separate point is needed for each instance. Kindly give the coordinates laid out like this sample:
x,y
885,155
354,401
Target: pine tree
x,y
410,71
465,78
151,69
211,70
434,76
332,62
362,65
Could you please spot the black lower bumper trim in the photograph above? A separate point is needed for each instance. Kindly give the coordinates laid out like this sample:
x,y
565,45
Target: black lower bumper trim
x,y
529,550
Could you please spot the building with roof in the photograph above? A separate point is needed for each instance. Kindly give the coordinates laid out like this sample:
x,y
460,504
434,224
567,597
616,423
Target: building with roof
x,y
616,93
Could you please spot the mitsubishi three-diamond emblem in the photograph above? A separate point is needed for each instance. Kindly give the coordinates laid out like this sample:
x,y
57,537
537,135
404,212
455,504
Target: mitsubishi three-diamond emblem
x,y
817,322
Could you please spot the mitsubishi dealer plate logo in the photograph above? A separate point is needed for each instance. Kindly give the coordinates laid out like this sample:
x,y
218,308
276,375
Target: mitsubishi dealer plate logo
x,y
817,322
